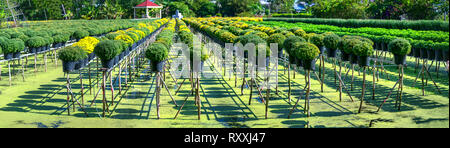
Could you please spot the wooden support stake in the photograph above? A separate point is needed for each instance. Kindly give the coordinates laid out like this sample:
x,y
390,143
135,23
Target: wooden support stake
x,y
308,91
104,92
82,89
68,97
158,94
197,94
363,90
9,73
289,82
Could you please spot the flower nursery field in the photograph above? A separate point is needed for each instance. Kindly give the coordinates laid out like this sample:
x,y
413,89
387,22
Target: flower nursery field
x,y
40,99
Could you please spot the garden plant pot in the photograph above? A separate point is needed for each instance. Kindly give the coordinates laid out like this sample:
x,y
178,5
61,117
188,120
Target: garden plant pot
x,y
280,54
322,50
400,59
353,59
345,56
363,61
16,55
267,61
8,56
121,55
385,45
423,53
309,64
431,54
158,67
445,55
79,64
299,62
86,62
292,59
331,52
68,66
108,64
416,52
438,55
32,50
116,60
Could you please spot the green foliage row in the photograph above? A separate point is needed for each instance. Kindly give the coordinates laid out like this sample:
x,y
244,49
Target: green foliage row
x,y
72,54
357,23
378,39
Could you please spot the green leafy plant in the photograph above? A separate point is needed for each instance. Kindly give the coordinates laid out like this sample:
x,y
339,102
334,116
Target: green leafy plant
x,y
400,46
13,46
108,49
277,38
80,33
363,49
289,43
157,52
318,40
306,51
36,41
331,41
71,54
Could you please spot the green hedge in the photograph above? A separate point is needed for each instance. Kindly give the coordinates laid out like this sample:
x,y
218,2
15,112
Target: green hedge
x,y
294,15
356,23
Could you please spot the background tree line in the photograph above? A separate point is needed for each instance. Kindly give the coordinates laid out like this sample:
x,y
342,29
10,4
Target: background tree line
x,y
113,9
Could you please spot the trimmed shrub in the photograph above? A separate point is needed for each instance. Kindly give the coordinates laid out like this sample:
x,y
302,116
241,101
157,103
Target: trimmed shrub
x,y
331,41
79,34
107,50
60,38
277,38
6,35
157,53
71,54
299,32
36,41
112,35
289,43
228,37
318,40
306,51
19,44
400,47
363,49
348,44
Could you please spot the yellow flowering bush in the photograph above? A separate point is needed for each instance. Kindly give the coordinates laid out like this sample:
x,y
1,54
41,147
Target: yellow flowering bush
x,y
125,38
87,44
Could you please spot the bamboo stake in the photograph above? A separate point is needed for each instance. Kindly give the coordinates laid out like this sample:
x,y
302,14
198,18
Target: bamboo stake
x,y
289,82
340,82
68,97
82,89
157,95
308,91
104,92
363,90
9,72
401,87
198,98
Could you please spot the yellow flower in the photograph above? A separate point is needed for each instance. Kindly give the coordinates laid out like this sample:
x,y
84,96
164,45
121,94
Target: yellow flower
x,y
87,44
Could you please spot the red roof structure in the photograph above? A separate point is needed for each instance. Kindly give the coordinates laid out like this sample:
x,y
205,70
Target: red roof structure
x,y
148,4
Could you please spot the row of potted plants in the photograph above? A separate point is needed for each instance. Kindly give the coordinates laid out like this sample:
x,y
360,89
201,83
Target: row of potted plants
x,y
357,23
158,51
41,36
437,50
110,51
11,48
